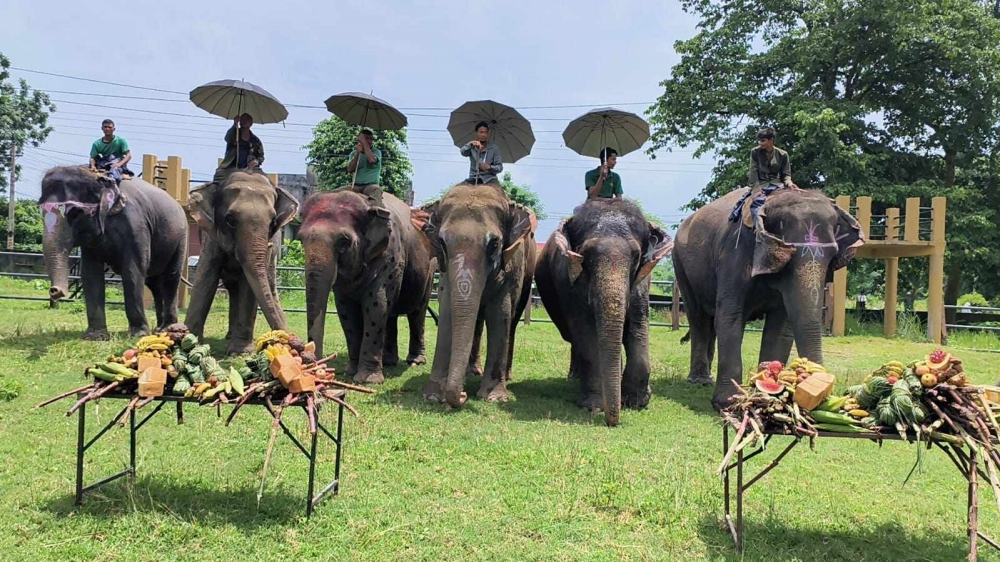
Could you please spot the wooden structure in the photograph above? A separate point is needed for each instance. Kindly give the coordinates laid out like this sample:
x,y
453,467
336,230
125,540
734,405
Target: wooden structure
x,y
173,178
891,246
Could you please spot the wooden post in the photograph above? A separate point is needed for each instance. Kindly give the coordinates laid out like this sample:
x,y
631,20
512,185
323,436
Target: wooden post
x,y
828,303
149,163
531,304
174,177
12,202
892,224
864,214
675,307
891,275
840,282
935,281
273,178
912,219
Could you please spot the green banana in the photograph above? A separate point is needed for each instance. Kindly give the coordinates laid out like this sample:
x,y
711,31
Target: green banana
x,y
832,404
236,380
98,373
118,369
824,417
840,428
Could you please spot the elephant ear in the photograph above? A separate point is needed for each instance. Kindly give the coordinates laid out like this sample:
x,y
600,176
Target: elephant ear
x,y
660,245
770,253
377,233
286,206
428,223
521,226
201,206
574,260
849,237
108,198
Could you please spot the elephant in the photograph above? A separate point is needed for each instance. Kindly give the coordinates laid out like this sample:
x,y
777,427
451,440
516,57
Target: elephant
x,y
730,274
593,277
137,229
485,247
378,267
240,220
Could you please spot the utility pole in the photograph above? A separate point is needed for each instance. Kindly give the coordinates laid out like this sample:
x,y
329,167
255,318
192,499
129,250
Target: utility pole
x,y
11,202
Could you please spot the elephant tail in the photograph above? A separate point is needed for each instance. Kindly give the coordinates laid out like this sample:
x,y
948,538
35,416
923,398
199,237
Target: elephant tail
x,y
686,337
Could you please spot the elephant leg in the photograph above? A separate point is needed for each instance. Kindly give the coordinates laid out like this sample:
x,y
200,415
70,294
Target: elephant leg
x,y
702,331
498,320
351,321
434,389
574,368
206,283
729,327
416,320
390,349
584,350
242,318
475,369
154,288
776,342
375,315
168,283
92,277
635,378
232,287
133,282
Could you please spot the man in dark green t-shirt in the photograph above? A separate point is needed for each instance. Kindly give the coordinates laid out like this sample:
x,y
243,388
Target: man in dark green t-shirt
x,y
601,182
110,153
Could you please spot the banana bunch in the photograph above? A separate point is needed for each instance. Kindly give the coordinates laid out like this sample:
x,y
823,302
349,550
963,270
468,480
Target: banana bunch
x,y
803,363
154,343
110,371
891,369
276,349
272,337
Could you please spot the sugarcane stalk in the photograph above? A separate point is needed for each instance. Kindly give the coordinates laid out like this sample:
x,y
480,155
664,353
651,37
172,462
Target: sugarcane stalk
x,y
243,400
758,431
128,409
311,413
320,363
144,402
347,386
341,402
989,413
59,397
270,444
736,440
95,394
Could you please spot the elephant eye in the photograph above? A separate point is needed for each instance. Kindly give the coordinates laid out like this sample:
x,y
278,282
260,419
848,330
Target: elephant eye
x,y
343,244
230,220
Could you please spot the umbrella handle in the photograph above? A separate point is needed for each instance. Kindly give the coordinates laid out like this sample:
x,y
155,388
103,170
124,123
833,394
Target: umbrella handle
x,y
364,120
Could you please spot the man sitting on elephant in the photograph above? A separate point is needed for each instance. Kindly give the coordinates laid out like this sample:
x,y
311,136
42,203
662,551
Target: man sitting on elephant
x,y
484,157
602,182
110,153
367,170
246,153
769,171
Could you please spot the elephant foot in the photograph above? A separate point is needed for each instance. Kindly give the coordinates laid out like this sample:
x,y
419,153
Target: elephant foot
x,y
239,348
416,359
592,402
390,360
138,332
474,370
719,404
351,370
97,335
572,375
433,391
369,377
700,379
495,393
636,400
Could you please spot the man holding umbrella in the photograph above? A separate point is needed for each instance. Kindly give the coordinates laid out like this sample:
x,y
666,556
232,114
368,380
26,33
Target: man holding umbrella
x,y
366,163
484,157
602,182
243,153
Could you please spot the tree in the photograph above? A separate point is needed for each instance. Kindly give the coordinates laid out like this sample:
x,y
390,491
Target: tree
x,y
333,143
24,115
522,194
890,98
28,225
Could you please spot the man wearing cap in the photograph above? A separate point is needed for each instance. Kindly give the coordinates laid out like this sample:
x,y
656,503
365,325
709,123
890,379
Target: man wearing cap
x,y
602,182
484,157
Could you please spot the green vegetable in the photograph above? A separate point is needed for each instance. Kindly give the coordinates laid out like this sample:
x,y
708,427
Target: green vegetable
x,y
181,385
825,417
189,342
831,404
840,428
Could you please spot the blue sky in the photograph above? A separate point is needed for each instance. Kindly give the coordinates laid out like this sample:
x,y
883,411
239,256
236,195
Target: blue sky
x,y
435,54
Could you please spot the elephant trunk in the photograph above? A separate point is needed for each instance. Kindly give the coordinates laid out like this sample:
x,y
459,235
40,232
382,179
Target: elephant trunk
x,y
252,251
321,274
57,241
806,314
611,289
465,291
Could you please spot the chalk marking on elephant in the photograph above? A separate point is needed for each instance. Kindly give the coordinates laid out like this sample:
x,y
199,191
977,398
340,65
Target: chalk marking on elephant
x,y
463,278
813,273
812,244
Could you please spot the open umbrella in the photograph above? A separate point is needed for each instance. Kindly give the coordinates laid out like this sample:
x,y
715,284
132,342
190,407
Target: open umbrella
x,y
365,110
591,132
509,130
232,98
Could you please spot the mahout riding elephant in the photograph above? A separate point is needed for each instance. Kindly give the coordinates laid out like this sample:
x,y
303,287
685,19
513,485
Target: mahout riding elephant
x,y
485,248
730,274
137,229
241,219
593,277
379,268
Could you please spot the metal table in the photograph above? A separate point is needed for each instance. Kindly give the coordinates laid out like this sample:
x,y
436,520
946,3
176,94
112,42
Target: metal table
x,y
82,444
967,464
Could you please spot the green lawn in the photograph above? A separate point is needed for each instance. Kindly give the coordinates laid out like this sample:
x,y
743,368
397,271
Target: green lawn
x,y
533,479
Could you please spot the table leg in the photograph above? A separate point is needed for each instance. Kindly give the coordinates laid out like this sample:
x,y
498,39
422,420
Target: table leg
x,y
131,444
80,435
739,502
312,477
340,444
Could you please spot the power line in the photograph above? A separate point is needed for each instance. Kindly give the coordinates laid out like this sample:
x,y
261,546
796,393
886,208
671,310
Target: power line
x,y
96,81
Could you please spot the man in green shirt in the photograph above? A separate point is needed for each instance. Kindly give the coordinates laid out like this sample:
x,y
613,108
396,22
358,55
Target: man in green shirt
x,y
110,153
366,161
602,182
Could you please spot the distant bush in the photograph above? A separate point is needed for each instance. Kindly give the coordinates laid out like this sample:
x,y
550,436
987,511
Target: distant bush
x,y
9,388
973,298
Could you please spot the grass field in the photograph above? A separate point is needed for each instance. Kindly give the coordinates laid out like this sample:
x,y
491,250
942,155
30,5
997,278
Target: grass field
x,y
532,479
